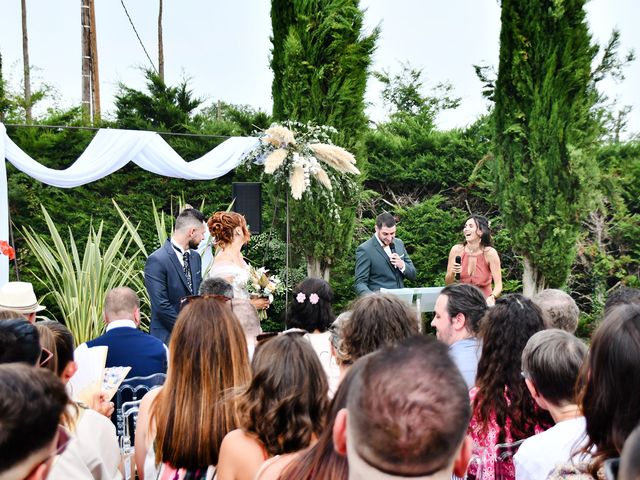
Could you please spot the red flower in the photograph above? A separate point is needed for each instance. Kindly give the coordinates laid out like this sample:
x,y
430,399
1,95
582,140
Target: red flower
x,y
7,250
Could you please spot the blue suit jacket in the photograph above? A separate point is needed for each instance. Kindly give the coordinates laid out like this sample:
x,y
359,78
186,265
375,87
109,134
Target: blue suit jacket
x,y
129,347
166,284
374,270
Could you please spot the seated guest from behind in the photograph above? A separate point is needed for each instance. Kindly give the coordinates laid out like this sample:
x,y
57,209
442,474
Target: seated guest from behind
x,y
311,311
609,393
551,362
94,451
181,425
282,411
621,296
559,310
458,311
216,286
128,346
30,437
19,342
247,315
407,415
377,321
503,410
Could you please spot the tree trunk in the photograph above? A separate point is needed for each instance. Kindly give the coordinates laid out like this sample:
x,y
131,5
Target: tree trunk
x,y
95,75
25,64
160,43
532,280
316,268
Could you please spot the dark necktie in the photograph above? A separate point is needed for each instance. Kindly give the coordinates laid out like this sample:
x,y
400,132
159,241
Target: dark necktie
x,y
186,266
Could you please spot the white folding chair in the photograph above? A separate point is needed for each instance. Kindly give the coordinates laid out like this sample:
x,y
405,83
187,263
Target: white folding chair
x,y
129,412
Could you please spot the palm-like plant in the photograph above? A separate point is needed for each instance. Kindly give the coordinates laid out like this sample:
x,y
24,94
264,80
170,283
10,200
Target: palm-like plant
x,y
78,285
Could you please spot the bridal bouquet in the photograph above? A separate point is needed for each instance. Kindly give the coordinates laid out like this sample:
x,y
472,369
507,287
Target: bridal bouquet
x,y
261,284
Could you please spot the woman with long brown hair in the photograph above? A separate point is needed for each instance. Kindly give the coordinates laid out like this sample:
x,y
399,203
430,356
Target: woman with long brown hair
x,y
321,461
609,393
282,411
181,425
503,410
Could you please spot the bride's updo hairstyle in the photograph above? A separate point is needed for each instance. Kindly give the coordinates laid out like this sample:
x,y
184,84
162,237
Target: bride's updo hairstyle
x,y
222,226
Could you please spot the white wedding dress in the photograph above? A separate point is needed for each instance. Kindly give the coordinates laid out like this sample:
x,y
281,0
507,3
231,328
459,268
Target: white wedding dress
x,y
236,275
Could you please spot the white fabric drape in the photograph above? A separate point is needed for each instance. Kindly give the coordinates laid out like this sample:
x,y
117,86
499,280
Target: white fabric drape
x,y
110,150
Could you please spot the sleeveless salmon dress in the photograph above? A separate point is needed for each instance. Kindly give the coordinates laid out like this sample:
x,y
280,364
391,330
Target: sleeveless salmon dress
x,y
481,276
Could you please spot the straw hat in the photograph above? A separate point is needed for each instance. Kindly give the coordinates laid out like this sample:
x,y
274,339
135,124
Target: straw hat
x,y
20,297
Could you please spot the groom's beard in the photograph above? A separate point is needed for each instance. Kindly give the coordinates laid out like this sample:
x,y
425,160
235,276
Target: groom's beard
x,y
193,245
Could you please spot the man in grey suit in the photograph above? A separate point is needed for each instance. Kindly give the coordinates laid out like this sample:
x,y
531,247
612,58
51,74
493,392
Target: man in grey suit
x,y
382,261
174,271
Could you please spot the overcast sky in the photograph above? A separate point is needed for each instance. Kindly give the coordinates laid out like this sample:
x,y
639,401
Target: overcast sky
x,y
223,47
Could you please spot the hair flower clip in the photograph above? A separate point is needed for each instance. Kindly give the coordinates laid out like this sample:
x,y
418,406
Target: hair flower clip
x,y
313,298
301,297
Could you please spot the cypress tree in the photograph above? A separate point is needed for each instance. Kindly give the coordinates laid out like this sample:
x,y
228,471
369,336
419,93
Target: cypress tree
x,y
545,132
320,75
282,17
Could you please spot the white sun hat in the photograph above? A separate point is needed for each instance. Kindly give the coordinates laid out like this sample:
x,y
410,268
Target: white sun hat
x,y
20,297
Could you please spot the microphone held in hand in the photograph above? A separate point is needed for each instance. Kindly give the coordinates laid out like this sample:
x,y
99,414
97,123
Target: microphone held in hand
x,y
392,247
458,262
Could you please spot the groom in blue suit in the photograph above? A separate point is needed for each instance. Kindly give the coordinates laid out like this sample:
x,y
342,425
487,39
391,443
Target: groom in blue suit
x,y
174,271
382,261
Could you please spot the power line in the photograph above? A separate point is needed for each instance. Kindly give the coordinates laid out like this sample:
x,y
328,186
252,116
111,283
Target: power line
x,y
139,39
95,129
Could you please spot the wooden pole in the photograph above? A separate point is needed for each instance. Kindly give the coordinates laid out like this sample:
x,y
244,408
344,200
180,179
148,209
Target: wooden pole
x,y
85,22
25,64
160,43
95,76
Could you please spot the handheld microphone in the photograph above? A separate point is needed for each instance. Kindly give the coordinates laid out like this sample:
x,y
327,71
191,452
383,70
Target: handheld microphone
x,y
392,247
458,261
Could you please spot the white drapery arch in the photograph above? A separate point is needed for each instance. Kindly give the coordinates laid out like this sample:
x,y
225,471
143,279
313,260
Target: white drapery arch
x,y
110,150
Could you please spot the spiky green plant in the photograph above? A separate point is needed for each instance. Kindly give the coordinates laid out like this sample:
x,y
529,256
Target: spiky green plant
x,y
78,285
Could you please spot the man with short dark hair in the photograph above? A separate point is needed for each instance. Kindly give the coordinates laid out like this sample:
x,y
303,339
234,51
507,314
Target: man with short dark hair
x,y
551,361
174,271
457,314
31,403
559,310
128,346
216,286
407,415
382,261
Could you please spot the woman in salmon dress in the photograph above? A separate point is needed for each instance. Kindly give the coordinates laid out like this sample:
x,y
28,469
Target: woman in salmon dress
x,y
479,263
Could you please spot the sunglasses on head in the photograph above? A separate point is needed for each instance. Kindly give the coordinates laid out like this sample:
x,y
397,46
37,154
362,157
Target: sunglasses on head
x,y
184,301
63,440
62,443
45,356
263,337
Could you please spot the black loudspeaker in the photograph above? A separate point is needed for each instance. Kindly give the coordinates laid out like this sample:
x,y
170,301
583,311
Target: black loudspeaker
x,y
248,202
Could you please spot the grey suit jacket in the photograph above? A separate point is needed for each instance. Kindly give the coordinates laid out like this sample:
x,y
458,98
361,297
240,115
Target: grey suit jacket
x,y
374,269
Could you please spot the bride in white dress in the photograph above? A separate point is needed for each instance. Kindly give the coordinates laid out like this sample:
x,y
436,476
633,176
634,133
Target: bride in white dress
x,y
230,233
